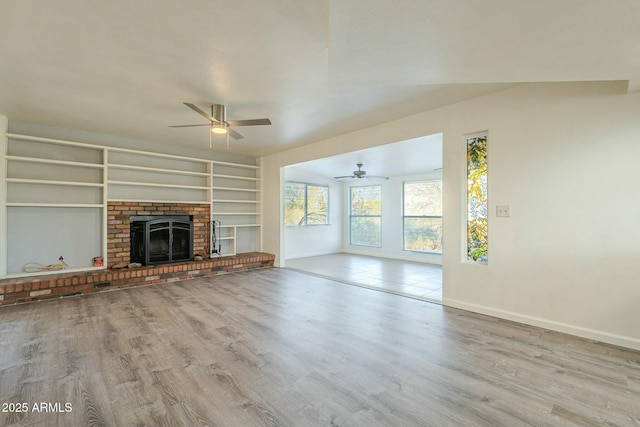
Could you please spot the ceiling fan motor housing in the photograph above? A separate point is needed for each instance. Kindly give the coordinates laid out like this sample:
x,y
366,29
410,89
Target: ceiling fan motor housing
x,y
219,112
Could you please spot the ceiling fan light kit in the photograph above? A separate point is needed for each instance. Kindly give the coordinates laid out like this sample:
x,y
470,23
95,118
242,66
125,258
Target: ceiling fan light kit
x,y
219,123
218,129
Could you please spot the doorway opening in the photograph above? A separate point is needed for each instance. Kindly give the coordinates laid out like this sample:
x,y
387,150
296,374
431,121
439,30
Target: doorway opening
x,y
386,262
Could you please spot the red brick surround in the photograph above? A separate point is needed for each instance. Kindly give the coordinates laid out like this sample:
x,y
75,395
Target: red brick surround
x,y
27,289
118,231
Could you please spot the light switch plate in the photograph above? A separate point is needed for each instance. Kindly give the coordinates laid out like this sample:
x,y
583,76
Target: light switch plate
x,y
503,210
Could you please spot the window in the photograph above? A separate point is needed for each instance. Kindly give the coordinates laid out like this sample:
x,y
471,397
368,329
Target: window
x,y
305,204
477,212
422,216
365,216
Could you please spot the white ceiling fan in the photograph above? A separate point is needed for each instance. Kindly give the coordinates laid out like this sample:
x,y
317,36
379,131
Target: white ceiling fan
x,y
360,174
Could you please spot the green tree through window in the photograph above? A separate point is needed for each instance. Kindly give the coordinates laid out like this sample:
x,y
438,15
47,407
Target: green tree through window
x,y
305,204
365,225
422,220
477,210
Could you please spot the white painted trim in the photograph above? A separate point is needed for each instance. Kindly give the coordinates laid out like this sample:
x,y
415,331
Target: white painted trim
x,y
319,253
259,204
591,334
280,258
105,211
4,126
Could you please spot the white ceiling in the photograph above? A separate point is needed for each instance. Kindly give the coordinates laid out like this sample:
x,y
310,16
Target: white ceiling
x,y
411,157
316,68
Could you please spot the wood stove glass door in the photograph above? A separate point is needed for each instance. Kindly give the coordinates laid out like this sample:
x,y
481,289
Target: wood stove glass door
x,y
181,246
159,242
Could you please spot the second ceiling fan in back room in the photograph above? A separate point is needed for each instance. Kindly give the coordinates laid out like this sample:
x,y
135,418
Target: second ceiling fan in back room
x,y
219,123
359,174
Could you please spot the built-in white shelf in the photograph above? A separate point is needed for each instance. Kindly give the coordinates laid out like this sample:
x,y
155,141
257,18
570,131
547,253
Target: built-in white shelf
x,y
227,186
191,202
249,190
231,238
54,162
52,182
154,184
91,175
234,201
53,205
19,137
236,213
246,178
157,170
235,165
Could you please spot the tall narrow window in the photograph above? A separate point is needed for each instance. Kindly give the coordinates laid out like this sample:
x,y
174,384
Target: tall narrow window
x,y
422,220
305,204
477,210
365,217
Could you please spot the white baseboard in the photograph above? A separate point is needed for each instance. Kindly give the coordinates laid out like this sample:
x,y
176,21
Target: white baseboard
x,y
605,337
423,258
309,254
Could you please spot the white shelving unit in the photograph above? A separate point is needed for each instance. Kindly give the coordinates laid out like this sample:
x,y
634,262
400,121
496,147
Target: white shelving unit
x,y
54,191
68,185
140,176
235,203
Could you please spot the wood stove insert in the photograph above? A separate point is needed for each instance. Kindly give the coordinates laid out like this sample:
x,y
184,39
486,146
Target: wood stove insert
x,y
161,239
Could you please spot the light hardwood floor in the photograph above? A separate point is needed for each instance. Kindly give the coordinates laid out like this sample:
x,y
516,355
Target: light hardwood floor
x,y
277,347
407,278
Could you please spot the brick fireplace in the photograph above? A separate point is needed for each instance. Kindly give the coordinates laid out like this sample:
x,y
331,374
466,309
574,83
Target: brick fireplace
x,y
118,223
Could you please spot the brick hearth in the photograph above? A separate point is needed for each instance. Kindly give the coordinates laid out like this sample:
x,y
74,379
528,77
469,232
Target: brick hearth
x,y
33,288
27,289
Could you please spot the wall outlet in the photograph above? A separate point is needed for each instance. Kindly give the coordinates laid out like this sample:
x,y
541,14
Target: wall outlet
x,y
503,210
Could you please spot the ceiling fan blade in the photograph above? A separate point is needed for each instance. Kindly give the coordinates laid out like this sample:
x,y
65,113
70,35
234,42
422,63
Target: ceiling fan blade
x,y
251,122
234,134
376,176
188,126
202,113
343,177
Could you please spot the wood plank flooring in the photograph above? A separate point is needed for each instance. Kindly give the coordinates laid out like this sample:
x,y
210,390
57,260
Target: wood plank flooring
x,y
277,347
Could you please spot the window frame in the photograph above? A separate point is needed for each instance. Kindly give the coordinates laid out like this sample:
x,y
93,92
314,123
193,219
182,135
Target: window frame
x,y
306,204
483,205
352,216
405,216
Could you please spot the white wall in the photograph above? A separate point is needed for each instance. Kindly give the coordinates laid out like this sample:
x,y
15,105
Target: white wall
x,y
392,227
315,239
564,157
41,235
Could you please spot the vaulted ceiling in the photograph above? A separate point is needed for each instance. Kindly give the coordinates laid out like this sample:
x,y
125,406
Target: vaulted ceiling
x,y
316,68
